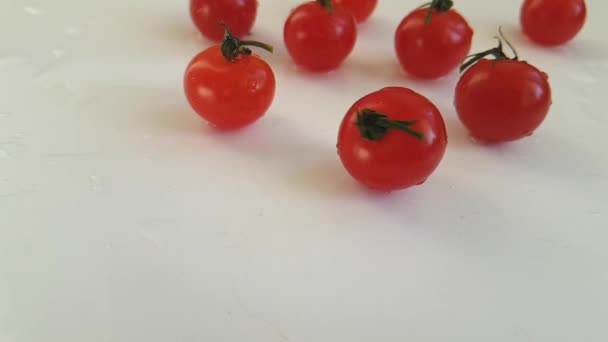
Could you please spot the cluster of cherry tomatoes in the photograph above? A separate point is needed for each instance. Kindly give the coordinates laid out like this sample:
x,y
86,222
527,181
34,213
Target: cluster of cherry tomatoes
x,y
393,138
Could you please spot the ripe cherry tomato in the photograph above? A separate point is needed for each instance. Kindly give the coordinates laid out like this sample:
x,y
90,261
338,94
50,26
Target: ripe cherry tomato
x,y
503,99
392,139
552,22
360,9
319,37
239,15
431,42
228,86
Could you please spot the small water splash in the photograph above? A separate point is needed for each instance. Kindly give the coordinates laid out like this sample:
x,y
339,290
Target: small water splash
x,y
58,53
33,11
72,31
96,183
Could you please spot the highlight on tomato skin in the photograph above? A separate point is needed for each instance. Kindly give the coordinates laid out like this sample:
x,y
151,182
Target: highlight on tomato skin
x,y
239,15
360,9
432,41
319,36
229,86
552,22
501,99
392,139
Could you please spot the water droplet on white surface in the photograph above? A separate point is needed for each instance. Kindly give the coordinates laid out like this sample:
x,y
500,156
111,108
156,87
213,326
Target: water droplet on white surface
x,y
96,183
58,53
72,31
4,115
596,214
32,10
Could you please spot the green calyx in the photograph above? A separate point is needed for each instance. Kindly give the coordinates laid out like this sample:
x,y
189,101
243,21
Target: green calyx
x,y
232,47
440,6
496,52
327,4
374,126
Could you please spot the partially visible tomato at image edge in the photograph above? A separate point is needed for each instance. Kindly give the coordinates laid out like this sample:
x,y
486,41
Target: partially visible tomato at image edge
x,y
228,86
239,15
319,36
392,139
552,22
360,9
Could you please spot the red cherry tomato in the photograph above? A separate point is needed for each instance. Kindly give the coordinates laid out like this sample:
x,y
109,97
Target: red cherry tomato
x,y
317,40
431,44
392,139
228,86
501,100
360,9
239,15
552,22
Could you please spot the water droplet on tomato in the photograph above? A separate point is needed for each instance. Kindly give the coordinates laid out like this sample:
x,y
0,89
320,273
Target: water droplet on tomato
x,y
422,182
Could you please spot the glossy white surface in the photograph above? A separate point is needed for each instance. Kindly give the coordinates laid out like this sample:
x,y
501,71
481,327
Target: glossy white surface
x,y
124,218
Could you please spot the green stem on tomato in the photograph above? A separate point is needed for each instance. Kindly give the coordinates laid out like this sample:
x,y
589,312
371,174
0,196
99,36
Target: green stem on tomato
x,y
232,47
496,52
440,6
374,125
327,4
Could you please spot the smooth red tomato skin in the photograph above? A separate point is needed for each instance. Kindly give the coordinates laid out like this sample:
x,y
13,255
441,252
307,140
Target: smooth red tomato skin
x,y
360,9
239,16
398,160
229,95
318,41
552,22
433,50
500,101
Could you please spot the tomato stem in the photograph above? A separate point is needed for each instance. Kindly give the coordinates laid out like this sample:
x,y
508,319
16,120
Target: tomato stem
x,y
374,125
232,47
440,6
327,4
496,52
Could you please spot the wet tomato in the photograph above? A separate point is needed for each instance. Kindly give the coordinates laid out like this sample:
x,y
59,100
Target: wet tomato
x,y
320,36
552,22
239,15
228,86
392,139
502,99
431,42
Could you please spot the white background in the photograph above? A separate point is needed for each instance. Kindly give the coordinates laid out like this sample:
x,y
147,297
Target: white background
x,y
124,218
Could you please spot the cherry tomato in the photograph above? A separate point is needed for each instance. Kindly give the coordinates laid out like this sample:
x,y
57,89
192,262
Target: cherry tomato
x,y
360,9
431,42
319,37
552,22
239,15
503,99
392,139
228,86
